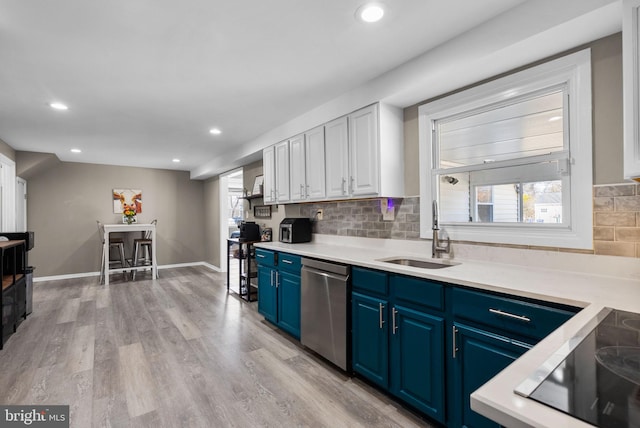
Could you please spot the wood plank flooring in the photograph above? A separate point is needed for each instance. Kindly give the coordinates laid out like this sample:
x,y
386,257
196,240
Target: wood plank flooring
x,y
176,352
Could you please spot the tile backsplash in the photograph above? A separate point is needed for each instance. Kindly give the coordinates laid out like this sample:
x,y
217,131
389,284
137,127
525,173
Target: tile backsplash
x,y
616,213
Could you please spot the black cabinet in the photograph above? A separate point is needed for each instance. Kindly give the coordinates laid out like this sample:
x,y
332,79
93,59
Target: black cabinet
x,y
13,298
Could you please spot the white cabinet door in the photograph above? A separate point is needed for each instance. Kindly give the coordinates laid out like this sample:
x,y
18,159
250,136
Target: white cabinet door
x,y
283,193
336,139
631,85
363,151
315,186
269,171
297,168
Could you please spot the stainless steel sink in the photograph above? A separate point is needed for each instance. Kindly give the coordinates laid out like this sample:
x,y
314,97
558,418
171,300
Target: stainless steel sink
x,y
424,264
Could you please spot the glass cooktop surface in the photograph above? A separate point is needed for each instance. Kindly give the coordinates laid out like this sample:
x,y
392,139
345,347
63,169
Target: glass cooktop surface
x,y
595,376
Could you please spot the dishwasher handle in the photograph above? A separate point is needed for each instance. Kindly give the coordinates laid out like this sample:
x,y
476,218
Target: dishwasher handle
x,y
326,274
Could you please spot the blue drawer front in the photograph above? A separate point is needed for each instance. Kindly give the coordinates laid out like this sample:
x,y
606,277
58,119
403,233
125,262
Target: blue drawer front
x,y
418,291
289,263
370,280
265,257
510,315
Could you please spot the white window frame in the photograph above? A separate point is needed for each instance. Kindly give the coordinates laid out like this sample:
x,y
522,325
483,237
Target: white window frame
x,y
573,71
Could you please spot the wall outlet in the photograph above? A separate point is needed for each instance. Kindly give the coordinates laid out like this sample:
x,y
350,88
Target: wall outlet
x,y
320,214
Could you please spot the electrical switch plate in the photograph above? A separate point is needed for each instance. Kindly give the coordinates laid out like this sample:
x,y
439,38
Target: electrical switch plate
x,y
319,214
387,209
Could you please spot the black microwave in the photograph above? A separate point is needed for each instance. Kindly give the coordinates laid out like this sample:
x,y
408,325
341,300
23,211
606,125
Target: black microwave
x,y
295,230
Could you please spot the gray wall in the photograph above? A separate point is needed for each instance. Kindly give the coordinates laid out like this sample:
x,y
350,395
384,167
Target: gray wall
x,y
7,150
65,201
606,60
212,220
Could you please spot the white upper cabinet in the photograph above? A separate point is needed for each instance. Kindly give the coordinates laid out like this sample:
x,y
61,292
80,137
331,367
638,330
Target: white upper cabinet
x,y
363,152
269,172
282,191
631,88
297,168
357,155
336,137
315,164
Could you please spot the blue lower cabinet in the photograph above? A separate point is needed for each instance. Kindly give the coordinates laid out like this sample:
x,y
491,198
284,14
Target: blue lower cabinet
x,y
479,356
267,293
289,303
417,360
370,339
398,347
279,289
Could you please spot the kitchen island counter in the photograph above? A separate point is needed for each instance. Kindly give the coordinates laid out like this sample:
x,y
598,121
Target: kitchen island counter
x,y
586,281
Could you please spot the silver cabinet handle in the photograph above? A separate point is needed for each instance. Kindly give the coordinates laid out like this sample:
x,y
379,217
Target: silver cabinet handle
x,y
508,315
454,346
289,262
277,278
394,311
351,185
262,256
301,191
272,278
344,186
380,308
306,191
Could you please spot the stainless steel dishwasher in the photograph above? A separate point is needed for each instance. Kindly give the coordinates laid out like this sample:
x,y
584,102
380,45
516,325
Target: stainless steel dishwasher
x,y
323,313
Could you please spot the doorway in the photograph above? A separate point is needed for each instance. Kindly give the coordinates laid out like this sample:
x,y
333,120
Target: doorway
x,y
231,209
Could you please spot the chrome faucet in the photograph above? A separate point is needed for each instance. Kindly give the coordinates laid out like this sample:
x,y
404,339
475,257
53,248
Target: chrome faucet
x,y
436,245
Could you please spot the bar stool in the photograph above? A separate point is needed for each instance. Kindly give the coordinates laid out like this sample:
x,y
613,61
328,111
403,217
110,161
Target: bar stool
x,y
117,243
143,244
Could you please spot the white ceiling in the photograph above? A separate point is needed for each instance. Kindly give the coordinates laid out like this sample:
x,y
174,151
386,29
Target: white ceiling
x,y
145,80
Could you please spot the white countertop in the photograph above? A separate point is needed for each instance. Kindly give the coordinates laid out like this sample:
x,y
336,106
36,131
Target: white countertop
x,y
587,281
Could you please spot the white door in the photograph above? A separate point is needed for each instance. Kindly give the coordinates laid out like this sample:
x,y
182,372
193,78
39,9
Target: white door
x,y
336,139
21,205
283,193
363,151
297,168
269,172
7,194
315,161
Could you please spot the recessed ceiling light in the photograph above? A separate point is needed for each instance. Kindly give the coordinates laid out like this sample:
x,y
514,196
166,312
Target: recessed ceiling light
x,y
215,131
58,106
370,12
554,118
76,151
176,160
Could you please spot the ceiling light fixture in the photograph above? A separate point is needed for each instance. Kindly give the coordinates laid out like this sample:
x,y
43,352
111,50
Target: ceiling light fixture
x,y
215,131
58,106
370,12
176,160
76,151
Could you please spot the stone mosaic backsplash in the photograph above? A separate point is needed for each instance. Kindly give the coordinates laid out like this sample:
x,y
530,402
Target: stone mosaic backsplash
x,y
616,220
616,213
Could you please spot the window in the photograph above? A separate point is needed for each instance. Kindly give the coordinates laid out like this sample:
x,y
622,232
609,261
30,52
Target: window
x,y
509,161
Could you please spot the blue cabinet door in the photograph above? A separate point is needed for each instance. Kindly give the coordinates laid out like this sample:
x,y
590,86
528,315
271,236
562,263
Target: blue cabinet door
x,y
370,340
267,293
289,303
480,356
417,360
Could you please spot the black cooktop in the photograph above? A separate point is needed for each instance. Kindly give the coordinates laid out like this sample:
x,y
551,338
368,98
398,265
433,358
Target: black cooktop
x,y
595,376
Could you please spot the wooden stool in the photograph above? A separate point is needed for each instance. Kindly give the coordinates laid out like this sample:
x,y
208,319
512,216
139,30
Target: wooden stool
x,y
143,244
117,243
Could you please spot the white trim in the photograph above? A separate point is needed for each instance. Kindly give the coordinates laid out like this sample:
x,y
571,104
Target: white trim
x,y
631,87
88,274
574,70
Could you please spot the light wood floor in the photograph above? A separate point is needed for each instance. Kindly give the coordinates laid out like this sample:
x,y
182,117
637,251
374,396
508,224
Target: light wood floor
x,y
176,352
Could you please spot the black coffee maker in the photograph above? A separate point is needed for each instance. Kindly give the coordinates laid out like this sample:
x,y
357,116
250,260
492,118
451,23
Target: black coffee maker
x,y
249,231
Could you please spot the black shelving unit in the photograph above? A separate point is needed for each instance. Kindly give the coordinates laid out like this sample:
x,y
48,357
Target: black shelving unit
x,y
13,297
246,289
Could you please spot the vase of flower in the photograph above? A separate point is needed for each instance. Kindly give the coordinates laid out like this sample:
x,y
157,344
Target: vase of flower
x,y
129,215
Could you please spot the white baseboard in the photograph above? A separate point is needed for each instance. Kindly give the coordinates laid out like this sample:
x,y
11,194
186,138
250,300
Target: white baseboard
x,y
87,274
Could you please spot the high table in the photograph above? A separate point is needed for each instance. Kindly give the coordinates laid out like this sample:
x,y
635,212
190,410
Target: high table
x,y
244,275
134,227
